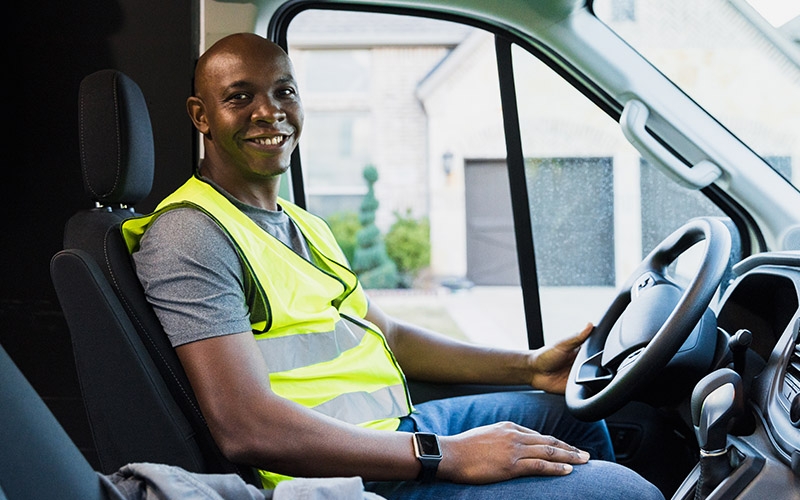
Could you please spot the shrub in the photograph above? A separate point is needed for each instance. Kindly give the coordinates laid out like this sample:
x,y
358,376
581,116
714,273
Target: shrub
x,y
345,226
408,244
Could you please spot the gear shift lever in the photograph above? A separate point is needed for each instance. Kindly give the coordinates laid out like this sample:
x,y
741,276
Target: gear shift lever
x,y
716,400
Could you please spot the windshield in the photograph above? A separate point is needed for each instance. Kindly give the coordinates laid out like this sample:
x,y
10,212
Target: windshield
x,y
739,59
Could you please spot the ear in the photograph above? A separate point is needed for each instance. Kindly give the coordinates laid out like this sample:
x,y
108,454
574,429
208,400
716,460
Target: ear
x,y
197,112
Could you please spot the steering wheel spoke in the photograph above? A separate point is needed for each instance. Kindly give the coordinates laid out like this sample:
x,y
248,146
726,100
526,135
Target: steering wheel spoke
x,y
593,375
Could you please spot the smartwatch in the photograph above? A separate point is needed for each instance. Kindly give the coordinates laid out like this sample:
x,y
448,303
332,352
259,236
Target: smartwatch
x,y
429,454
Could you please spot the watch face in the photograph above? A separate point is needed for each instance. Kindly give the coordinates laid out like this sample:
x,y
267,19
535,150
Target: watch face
x,y
428,444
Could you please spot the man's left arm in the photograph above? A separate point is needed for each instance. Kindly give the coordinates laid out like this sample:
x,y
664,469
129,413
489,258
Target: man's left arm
x,y
429,356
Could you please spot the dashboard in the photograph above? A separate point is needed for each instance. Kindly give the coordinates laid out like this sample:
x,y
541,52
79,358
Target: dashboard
x,y
764,299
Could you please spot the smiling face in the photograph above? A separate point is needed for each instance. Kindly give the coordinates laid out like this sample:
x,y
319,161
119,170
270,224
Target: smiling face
x,y
248,109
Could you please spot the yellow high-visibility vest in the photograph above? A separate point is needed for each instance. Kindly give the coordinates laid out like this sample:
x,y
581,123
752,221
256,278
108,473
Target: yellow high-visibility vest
x,y
318,348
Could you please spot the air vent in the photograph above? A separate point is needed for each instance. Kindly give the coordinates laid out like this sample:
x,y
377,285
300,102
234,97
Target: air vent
x,y
793,368
791,382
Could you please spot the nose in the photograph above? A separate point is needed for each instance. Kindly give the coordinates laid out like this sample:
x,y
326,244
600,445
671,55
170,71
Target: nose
x,y
268,110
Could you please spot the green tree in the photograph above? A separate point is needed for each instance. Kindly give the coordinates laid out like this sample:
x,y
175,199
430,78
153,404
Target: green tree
x,y
370,261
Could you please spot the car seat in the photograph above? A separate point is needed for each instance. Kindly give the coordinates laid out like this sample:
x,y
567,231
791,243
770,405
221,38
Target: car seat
x,y
138,400
38,460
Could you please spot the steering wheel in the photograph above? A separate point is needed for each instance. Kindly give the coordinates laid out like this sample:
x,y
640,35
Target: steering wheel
x,y
647,323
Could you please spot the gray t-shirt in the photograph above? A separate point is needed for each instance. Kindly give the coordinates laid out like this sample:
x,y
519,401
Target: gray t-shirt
x,y
192,275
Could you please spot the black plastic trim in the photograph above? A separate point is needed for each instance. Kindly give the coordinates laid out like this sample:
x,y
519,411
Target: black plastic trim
x,y
749,463
520,204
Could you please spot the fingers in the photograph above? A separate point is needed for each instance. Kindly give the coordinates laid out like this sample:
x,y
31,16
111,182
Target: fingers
x,y
542,455
548,448
538,467
574,342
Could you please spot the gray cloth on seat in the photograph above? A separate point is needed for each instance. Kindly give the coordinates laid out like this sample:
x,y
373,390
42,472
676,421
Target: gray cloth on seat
x,y
334,488
146,481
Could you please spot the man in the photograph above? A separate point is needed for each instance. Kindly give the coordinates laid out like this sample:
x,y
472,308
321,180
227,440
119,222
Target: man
x,y
296,372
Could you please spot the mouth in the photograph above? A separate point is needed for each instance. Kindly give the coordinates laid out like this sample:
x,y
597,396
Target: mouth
x,y
269,141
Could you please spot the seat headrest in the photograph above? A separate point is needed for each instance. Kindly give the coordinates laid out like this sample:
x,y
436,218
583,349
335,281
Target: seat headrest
x,y
116,139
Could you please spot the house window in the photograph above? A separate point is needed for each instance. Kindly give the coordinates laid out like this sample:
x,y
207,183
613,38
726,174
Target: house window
x,y
335,86
335,147
339,72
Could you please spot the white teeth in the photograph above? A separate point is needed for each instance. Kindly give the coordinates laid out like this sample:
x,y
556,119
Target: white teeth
x,y
269,141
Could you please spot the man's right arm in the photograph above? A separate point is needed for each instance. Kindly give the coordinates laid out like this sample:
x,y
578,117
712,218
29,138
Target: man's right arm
x,y
252,425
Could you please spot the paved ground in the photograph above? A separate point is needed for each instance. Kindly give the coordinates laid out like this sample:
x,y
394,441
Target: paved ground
x,y
494,315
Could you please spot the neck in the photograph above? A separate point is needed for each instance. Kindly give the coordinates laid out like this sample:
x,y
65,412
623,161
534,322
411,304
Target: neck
x,y
260,192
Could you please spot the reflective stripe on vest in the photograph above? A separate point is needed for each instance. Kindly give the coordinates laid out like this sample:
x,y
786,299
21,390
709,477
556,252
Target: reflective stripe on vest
x,y
304,349
354,406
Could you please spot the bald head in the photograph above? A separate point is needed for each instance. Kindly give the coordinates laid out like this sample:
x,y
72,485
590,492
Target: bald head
x,y
239,48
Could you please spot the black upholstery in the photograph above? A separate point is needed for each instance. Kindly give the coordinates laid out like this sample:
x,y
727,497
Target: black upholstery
x,y
38,458
138,400
116,141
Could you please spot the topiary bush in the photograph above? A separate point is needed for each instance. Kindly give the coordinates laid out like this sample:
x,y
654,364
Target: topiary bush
x,y
370,261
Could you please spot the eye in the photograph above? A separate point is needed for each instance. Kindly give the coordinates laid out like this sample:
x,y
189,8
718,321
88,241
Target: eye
x,y
286,92
238,98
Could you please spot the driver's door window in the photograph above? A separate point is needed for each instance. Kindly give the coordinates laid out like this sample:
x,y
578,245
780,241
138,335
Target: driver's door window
x,y
596,207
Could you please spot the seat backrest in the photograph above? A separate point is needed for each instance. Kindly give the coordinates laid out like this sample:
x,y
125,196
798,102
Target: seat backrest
x,y
39,459
138,399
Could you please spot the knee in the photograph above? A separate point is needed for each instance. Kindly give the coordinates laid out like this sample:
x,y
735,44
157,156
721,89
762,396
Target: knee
x,y
610,481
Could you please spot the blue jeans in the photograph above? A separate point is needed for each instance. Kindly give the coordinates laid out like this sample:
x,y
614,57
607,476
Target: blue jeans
x,y
601,478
